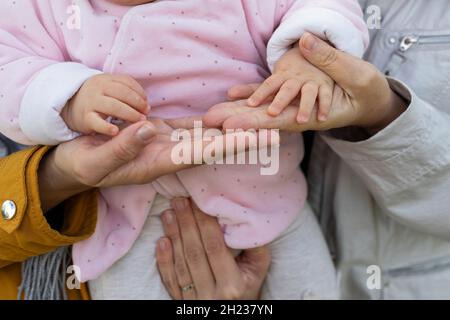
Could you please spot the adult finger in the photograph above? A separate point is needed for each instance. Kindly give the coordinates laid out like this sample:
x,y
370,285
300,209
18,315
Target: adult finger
x,y
124,147
166,267
254,265
343,68
256,260
184,277
184,123
240,117
194,252
214,148
216,115
218,147
223,264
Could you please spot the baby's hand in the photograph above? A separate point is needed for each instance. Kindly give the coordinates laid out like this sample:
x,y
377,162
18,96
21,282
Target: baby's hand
x,y
105,96
293,76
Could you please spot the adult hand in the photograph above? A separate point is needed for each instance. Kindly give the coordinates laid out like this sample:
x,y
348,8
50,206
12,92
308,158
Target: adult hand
x,y
363,99
193,256
140,154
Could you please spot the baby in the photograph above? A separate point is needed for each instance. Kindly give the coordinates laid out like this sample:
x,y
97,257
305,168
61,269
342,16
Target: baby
x,y
61,76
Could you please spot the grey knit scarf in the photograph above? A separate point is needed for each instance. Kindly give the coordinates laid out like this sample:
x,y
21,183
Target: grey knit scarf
x,y
44,277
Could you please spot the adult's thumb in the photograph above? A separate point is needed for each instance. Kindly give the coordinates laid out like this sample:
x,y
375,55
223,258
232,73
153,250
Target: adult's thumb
x,y
343,68
126,146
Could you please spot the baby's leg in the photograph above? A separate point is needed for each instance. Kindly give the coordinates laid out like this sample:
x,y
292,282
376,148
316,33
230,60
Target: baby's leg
x,y
301,265
136,276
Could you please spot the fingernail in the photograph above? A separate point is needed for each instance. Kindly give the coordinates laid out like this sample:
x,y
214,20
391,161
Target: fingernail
x,y
302,119
309,42
273,112
114,131
145,132
168,217
179,204
323,117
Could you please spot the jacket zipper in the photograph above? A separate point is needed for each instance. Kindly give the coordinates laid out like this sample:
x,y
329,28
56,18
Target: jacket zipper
x,y
432,266
410,41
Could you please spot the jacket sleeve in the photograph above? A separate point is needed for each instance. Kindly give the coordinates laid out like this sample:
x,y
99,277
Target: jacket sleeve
x,y
338,21
28,233
407,165
34,69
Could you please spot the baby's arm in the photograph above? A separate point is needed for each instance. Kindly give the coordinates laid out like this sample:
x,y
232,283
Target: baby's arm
x,y
338,21
37,79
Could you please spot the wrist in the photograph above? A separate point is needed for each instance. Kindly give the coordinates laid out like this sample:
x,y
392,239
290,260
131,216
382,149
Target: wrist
x,y
67,115
56,184
393,108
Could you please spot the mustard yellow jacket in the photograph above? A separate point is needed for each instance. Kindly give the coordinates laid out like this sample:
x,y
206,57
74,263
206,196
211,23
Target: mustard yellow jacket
x,y
28,233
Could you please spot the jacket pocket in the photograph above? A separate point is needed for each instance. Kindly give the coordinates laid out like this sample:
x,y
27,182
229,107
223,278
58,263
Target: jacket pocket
x,y
422,281
422,60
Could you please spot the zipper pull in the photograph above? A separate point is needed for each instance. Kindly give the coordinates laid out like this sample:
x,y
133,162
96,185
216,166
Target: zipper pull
x,y
407,42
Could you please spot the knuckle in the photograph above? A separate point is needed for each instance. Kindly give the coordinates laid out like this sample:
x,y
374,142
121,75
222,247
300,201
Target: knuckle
x,y
368,78
193,255
123,153
329,58
290,86
99,79
180,269
214,246
309,88
185,223
364,82
326,96
139,99
174,236
271,81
